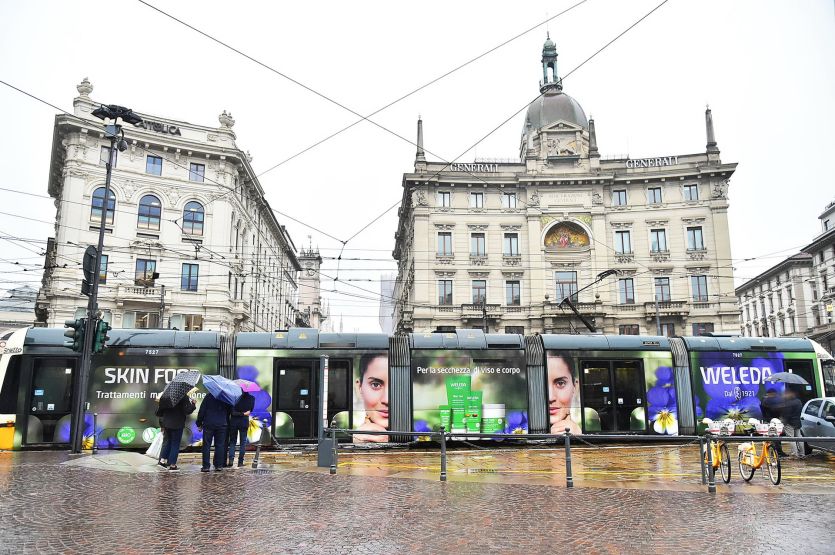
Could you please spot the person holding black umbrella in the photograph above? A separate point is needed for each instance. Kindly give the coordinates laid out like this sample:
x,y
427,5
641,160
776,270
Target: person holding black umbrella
x,y
792,407
213,420
174,421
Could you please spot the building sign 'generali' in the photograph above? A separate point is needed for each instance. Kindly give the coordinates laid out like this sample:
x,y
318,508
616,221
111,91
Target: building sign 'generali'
x,y
159,127
485,168
652,162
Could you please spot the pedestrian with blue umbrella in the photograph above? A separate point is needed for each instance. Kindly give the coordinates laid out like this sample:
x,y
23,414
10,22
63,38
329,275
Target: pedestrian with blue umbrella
x,y
213,418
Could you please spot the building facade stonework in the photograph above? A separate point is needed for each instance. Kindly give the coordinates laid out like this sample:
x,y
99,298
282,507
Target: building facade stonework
x,y
190,241
500,245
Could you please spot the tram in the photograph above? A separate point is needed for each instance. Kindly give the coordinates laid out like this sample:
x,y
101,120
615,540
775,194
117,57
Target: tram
x,y
464,381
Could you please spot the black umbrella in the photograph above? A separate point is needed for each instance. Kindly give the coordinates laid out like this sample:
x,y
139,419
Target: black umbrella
x,y
786,377
178,388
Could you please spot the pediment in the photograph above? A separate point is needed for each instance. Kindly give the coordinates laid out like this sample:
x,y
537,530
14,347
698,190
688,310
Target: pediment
x,y
562,126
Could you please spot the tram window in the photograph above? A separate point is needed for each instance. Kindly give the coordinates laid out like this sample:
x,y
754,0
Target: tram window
x,y
338,384
11,383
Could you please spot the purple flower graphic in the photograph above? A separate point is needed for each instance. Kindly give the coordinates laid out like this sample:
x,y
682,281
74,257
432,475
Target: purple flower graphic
x,y
661,401
263,400
422,426
65,431
741,408
517,423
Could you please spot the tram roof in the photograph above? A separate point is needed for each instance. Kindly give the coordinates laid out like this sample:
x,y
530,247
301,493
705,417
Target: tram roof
x,y
466,339
54,337
310,338
606,342
783,344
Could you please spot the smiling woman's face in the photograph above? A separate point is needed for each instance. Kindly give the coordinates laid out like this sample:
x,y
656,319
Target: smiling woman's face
x,y
374,391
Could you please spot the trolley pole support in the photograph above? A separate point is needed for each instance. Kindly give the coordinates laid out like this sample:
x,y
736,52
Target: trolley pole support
x,y
443,454
711,472
333,458
702,460
569,478
95,434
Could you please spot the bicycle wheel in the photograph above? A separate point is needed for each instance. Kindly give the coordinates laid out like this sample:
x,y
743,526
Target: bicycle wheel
x,y
745,469
725,463
772,462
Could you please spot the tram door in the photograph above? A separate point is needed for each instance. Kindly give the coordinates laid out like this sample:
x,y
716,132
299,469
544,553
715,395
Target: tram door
x,y
805,370
297,390
50,401
613,396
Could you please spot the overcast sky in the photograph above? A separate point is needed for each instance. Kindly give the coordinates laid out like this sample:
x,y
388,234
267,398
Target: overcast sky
x,y
765,68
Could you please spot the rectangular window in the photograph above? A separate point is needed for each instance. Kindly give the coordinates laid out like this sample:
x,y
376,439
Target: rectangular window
x,y
146,320
476,200
444,199
662,289
197,172
623,243
103,270
658,240
566,286
445,292
691,192
479,291
619,198
513,293
188,281
695,240
153,165
515,329
509,200
702,328
104,154
445,243
626,291
193,322
478,244
511,244
629,329
699,286
145,272
668,330
654,195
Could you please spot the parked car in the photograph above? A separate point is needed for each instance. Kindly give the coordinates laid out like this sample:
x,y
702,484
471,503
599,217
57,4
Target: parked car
x,y
818,420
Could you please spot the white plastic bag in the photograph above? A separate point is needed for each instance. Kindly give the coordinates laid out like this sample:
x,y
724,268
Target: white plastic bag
x,y
156,446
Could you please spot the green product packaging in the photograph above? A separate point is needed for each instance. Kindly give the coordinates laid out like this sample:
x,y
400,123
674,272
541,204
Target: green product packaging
x,y
446,417
459,419
492,418
457,390
474,411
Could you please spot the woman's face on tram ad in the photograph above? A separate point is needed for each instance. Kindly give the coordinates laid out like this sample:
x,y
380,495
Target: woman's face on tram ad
x,y
373,388
562,386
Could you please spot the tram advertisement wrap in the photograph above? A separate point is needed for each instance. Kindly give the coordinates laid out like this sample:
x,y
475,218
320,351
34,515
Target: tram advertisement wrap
x,y
611,391
733,384
463,394
370,397
124,385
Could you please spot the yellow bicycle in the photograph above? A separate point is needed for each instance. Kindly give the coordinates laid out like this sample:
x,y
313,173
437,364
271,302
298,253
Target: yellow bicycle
x,y
749,460
719,456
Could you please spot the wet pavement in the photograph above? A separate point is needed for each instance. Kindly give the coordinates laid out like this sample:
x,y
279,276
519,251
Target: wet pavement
x,y
646,499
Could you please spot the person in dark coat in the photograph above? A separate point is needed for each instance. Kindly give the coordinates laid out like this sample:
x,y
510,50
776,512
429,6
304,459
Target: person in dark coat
x,y
213,419
173,419
238,427
792,407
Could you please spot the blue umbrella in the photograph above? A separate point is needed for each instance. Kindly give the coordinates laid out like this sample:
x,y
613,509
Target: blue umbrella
x,y
222,389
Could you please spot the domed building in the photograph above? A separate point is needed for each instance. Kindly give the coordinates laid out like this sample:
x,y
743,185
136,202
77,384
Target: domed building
x,y
563,241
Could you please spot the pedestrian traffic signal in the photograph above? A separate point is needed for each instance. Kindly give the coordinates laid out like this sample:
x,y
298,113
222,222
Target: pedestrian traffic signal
x,y
100,338
75,334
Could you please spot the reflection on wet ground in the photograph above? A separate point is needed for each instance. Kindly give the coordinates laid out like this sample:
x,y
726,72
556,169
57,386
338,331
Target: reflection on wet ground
x,y
657,467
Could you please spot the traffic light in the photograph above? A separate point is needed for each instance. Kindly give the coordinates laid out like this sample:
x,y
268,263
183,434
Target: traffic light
x,y
89,268
100,338
75,334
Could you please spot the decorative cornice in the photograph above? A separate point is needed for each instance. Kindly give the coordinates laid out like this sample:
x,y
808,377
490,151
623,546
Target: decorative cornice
x,y
475,274
445,226
621,225
478,227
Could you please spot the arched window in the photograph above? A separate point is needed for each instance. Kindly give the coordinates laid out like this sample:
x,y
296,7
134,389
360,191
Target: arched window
x,y
97,205
566,235
193,218
150,210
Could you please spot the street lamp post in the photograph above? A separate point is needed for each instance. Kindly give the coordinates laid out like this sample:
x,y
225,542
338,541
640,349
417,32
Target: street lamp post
x,y
113,131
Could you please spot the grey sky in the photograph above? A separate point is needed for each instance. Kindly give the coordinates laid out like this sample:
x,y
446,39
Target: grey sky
x,y
765,68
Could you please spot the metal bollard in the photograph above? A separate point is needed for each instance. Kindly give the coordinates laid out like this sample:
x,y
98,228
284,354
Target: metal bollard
x,y
711,472
569,478
95,435
702,460
443,454
333,459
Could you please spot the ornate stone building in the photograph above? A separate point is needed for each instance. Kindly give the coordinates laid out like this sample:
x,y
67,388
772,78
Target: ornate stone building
x,y
190,241
501,244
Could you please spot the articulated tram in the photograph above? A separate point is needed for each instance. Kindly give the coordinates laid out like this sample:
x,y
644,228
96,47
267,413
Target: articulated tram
x,y
465,381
